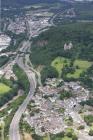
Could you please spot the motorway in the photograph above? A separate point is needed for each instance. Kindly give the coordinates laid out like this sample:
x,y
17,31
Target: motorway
x,y
14,133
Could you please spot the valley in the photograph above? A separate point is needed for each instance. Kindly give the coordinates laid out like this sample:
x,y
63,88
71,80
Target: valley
x,y
46,71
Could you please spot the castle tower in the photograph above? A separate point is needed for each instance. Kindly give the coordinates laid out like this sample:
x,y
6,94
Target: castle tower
x,y
70,45
65,46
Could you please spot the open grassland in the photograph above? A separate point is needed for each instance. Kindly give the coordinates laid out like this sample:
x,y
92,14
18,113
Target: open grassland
x,y
45,138
4,88
83,66
66,138
76,74
60,62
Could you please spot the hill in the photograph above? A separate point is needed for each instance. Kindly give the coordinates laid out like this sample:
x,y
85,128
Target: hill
x,y
20,3
80,34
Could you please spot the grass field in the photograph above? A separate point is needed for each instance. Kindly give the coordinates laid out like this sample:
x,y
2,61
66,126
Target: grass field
x,y
83,66
45,138
4,88
59,62
76,74
66,138
57,138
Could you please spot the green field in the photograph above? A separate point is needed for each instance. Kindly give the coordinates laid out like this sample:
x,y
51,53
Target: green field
x,y
4,88
76,74
83,66
45,138
59,63
57,138
66,138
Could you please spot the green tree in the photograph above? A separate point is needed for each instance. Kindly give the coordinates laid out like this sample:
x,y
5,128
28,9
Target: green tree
x,y
48,72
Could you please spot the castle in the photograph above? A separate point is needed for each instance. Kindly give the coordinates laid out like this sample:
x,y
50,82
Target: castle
x,y
68,46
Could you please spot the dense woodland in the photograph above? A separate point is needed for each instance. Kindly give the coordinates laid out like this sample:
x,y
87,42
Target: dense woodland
x,y
5,97
3,60
84,11
22,81
48,72
81,36
50,44
20,3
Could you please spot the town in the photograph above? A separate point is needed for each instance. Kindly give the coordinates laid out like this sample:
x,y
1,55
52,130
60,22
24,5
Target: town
x,y
49,113
46,72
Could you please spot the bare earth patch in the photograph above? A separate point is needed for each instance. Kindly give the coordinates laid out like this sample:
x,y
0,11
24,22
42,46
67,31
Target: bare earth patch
x,y
27,136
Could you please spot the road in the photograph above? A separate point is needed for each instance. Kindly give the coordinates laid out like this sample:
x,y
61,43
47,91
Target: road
x,y
14,133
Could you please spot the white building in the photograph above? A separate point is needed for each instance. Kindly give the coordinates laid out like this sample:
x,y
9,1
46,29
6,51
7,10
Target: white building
x,y
4,41
68,46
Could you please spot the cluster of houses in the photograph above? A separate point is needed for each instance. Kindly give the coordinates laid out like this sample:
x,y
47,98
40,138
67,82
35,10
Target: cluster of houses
x,y
18,26
48,112
7,71
4,41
